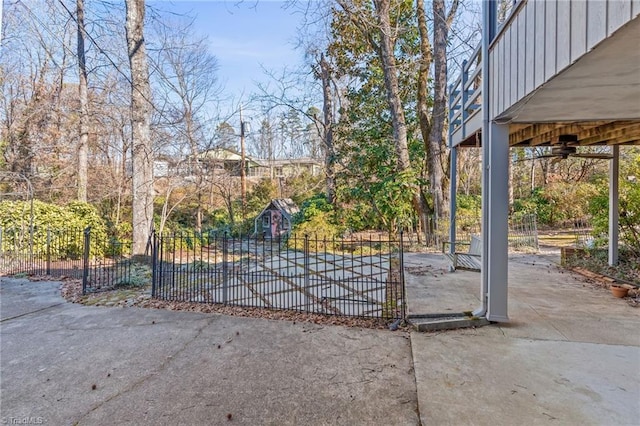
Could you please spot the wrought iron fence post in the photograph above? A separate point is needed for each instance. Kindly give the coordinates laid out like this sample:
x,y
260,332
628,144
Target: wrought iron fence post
x,y
85,259
225,269
48,251
306,273
154,262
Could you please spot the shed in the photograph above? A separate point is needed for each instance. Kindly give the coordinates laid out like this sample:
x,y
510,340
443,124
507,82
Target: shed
x,y
275,219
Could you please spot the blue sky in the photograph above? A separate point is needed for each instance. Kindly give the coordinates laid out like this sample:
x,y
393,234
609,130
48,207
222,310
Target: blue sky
x,y
245,36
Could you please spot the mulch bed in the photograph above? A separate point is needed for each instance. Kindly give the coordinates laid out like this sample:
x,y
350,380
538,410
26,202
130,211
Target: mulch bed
x,y
604,282
140,297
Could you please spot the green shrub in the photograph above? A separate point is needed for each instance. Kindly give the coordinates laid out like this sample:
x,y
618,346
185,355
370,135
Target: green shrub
x,y
66,223
317,220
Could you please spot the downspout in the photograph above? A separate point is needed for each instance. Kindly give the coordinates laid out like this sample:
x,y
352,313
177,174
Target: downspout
x,y
489,21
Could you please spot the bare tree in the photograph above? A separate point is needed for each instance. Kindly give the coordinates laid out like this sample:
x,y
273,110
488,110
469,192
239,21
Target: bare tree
x,y
432,119
83,127
382,37
187,80
327,128
142,153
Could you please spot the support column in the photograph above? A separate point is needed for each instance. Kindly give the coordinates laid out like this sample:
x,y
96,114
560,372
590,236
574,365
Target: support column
x,y
495,259
614,210
489,28
453,185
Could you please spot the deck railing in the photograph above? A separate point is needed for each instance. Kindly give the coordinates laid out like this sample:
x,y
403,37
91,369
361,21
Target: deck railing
x,y
465,99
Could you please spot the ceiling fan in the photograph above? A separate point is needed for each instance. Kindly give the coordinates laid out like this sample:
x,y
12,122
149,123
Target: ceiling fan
x,y
564,151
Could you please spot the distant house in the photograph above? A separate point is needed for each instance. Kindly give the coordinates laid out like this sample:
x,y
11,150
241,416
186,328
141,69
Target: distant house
x,y
224,160
284,168
276,219
163,166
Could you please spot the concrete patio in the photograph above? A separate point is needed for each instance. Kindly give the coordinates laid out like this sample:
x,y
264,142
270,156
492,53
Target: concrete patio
x,y
569,356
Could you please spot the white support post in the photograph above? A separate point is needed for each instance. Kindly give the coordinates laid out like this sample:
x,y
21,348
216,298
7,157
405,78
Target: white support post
x,y
497,212
489,27
614,210
453,177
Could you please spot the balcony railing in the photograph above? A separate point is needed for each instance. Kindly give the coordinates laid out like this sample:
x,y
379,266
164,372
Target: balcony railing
x,y
465,100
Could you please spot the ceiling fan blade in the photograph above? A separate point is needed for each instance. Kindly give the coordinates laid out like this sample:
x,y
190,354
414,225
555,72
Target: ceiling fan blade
x,y
536,158
593,155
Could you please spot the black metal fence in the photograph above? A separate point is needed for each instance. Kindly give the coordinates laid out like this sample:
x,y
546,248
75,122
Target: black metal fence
x,y
361,277
100,262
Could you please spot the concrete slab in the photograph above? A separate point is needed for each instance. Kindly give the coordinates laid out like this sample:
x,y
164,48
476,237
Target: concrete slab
x,y
570,355
481,378
432,289
164,367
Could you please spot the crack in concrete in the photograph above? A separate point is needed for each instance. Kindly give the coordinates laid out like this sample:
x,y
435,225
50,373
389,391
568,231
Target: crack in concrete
x,y
412,372
32,312
162,367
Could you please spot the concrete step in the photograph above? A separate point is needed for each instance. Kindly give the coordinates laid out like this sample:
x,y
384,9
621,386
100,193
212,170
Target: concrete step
x,y
434,322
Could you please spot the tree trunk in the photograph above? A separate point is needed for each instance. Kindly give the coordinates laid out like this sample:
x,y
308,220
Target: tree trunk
x,y
436,146
390,72
423,100
142,154
83,141
327,108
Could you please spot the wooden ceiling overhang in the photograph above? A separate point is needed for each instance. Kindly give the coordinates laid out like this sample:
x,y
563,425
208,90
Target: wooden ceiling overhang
x,y
572,134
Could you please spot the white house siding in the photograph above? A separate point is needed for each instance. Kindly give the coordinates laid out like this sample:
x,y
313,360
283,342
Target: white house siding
x,y
542,38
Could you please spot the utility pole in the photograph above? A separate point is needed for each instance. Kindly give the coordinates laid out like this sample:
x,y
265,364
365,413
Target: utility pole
x,y
243,167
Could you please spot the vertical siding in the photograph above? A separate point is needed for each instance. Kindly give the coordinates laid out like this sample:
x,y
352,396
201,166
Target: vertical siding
x,y
493,78
578,29
618,13
522,46
596,22
515,65
563,27
550,24
544,38
500,75
531,45
507,68
540,43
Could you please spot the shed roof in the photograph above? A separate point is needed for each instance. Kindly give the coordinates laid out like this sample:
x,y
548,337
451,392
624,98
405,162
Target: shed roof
x,y
285,205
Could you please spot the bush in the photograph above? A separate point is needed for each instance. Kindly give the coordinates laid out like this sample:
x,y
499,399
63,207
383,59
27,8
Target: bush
x,y
315,219
66,222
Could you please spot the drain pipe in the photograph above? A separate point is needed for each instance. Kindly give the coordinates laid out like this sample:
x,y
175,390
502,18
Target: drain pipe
x,y
489,21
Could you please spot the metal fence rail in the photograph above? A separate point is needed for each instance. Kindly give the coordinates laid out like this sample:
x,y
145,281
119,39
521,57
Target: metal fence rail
x,y
523,232
358,277
350,277
101,264
55,252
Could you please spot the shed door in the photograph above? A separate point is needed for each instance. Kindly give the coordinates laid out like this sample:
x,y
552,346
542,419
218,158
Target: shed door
x,y
266,224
